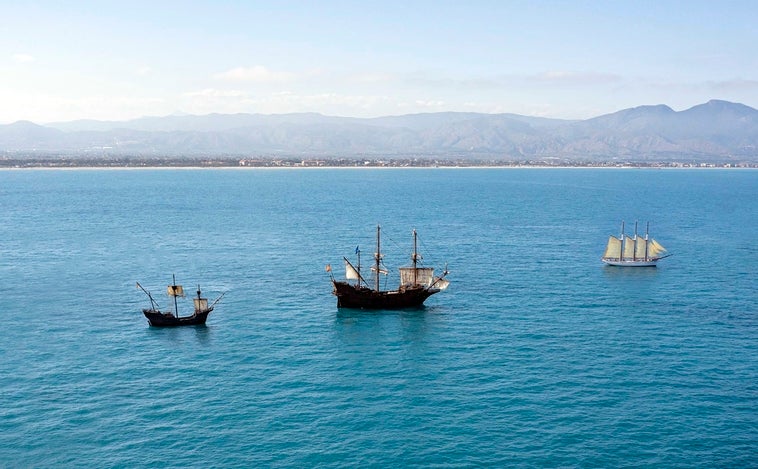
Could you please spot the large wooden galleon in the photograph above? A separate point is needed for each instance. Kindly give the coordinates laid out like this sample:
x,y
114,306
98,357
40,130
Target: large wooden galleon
x,y
416,283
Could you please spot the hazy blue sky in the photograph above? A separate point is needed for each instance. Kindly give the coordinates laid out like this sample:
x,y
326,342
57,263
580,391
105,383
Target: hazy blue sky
x,y
65,60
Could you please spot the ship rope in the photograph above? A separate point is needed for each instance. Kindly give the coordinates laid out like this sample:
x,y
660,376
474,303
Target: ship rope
x,y
403,247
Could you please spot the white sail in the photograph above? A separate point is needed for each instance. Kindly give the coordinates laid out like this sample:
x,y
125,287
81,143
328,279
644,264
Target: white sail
x,y
613,249
175,290
655,249
381,271
201,304
350,272
418,276
441,283
637,251
628,247
639,248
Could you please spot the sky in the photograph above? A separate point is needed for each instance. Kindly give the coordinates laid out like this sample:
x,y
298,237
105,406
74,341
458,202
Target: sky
x,y
105,60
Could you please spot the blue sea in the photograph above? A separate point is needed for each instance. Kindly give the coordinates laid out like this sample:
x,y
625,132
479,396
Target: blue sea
x,y
537,355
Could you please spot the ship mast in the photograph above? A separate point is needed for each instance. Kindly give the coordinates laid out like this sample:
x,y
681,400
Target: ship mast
x,y
647,229
621,238
377,258
634,255
173,288
414,259
358,252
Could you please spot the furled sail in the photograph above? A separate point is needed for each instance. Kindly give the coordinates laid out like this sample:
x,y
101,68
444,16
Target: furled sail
x,y
175,290
418,276
613,249
350,272
655,249
628,247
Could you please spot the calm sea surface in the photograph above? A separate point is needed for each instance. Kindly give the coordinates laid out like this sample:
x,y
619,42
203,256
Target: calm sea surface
x,y
536,356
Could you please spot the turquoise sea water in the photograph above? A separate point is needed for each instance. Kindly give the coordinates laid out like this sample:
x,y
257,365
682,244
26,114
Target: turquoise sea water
x,y
536,356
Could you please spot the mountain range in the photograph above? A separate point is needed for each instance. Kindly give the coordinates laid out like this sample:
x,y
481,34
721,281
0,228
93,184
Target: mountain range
x,y
713,131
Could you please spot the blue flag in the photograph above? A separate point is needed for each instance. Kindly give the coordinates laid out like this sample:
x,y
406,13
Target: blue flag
x,y
357,251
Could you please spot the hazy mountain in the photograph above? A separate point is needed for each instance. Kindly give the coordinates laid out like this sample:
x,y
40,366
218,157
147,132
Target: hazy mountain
x,y
25,135
717,130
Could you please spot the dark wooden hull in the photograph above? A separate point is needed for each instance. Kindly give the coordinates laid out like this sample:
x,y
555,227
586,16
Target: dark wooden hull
x,y
352,296
158,319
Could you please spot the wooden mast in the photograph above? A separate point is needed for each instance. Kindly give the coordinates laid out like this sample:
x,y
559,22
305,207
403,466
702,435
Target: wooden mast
x,y
377,258
173,289
360,277
414,259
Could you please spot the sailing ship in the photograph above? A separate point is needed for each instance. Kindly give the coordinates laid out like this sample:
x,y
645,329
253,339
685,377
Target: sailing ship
x,y
157,318
416,283
636,251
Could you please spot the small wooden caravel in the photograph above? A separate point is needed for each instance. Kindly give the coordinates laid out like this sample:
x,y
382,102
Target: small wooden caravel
x,y
158,318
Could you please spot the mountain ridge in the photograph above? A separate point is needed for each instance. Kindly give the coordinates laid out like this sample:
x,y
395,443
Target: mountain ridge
x,y
715,130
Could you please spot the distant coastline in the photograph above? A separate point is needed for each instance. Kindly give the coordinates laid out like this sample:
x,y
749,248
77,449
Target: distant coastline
x,y
713,134
228,163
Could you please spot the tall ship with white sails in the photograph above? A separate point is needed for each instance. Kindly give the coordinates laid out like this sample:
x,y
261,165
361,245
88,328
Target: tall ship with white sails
x,y
416,283
633,251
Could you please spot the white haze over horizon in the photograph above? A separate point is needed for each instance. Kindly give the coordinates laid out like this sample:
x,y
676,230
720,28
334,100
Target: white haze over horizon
x,y
569,60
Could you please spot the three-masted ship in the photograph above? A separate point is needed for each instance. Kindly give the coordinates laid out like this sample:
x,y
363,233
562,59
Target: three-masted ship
x,y
157,318
416,283
633,251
